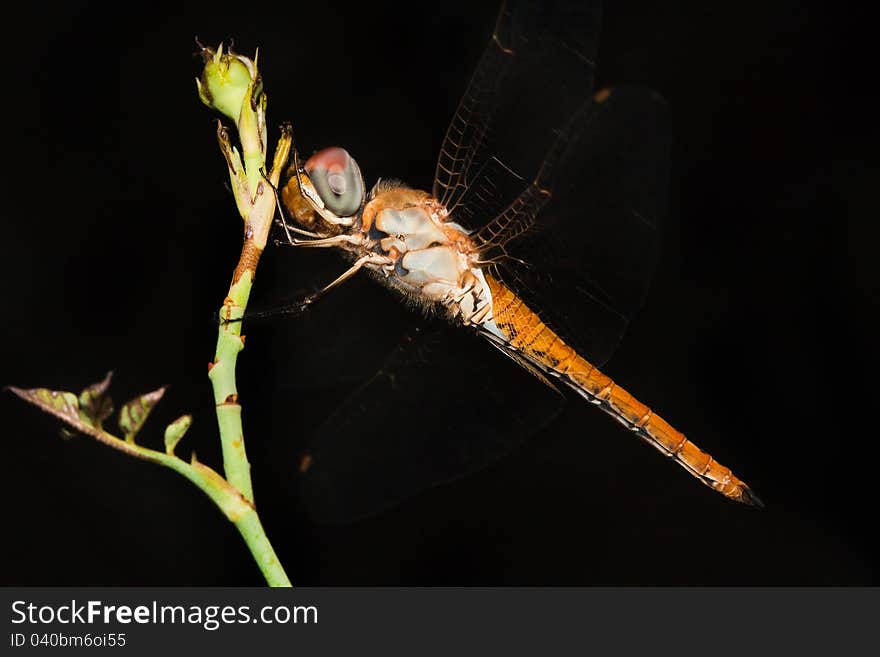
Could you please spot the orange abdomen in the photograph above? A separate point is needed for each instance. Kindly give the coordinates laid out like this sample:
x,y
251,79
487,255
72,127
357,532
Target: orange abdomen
x,y
528,334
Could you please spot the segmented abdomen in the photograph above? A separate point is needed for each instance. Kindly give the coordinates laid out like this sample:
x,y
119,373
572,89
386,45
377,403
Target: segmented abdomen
x,y
528,334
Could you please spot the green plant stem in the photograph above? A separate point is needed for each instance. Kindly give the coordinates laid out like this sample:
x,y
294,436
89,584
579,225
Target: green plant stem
x,y
222,375
251,530
228,499
257,207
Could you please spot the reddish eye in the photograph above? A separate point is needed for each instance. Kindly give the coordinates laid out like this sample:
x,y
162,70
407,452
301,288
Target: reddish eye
x,y
337,179
332,159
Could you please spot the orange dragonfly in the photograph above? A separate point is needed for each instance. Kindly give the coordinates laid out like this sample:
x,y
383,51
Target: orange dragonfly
x,y
539,236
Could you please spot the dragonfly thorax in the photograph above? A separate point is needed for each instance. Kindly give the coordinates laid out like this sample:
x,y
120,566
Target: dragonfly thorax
x,y
429,257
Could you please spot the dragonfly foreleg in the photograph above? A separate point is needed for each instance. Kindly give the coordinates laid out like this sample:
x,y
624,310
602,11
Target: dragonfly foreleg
x,y
288,229
280,220
324,242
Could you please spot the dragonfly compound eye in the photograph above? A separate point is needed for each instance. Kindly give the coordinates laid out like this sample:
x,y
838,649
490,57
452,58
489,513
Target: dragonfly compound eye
x,y
337,179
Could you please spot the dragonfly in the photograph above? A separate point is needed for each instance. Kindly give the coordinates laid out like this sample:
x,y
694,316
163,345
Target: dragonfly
x,y
539,237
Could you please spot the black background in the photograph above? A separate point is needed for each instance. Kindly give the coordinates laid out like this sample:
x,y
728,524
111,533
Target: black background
x,y
757,338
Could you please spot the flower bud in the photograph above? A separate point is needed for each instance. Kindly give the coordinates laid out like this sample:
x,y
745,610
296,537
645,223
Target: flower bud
x,y
228,81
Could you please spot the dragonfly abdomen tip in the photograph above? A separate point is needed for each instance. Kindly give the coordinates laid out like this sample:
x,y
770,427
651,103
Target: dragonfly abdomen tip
x,y
749,497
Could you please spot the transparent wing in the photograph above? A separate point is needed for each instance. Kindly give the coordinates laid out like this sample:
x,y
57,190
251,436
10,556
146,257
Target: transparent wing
x,y
579,243
444,404
536,71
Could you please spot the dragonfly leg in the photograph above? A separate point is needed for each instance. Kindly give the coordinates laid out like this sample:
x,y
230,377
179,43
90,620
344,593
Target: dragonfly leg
x,y
480,314
302,305
281,220
288,229
369,259
324,242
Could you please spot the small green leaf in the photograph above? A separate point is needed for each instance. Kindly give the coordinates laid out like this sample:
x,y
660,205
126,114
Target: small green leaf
x,y
135,412
175,431
61,404
94,404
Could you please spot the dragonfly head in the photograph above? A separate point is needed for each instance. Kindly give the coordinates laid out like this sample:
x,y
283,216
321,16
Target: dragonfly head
x,y
331,183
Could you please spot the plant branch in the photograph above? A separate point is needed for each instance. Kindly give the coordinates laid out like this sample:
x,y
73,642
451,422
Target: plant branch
x,y
230,84
86,412
229,340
